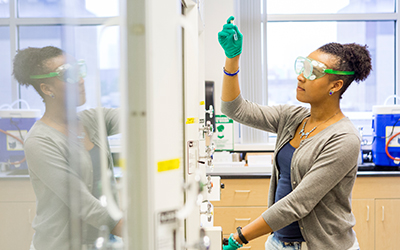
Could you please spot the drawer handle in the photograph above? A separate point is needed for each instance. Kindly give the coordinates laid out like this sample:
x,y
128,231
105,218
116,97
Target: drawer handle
x,y
242,191
246,247
383,213
29,216
242,219
367,213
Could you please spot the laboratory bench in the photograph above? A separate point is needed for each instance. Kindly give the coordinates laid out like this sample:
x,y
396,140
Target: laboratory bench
x,y
376,199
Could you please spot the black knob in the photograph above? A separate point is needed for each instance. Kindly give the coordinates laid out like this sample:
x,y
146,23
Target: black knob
x,y
222,185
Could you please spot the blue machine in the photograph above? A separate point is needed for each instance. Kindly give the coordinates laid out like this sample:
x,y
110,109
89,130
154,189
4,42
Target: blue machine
x,y
14,126
385,125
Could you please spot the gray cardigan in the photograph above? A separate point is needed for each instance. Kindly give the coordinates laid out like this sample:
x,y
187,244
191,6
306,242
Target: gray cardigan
x,y
61,181
323,172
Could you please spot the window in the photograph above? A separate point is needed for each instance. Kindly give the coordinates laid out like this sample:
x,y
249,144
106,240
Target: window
x,y
57,8
4,8
40,23
5,68
378,35
298,27
329,6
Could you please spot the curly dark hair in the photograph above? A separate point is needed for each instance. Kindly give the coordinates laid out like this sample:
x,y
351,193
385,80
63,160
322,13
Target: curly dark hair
x,y
32,61
349,57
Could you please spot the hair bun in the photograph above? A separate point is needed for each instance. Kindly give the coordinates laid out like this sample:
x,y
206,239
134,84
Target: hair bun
x,y
359,60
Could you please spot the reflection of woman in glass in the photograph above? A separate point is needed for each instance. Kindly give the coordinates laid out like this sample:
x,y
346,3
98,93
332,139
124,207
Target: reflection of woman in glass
x,y
316,151
64,163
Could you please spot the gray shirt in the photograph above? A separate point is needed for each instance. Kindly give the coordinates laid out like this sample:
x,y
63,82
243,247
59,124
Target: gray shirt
x,y
62,177
323,172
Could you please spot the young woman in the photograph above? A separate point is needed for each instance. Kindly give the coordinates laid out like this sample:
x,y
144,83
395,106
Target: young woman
x,y
65,173
316,153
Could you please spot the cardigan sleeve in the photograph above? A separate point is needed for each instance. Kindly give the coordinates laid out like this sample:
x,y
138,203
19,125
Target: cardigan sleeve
x,y
267,118
61,180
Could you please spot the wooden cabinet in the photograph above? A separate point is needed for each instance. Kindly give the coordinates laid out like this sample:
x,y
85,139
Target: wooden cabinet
x,y
387,224
242,201
17,210
364,211
376,206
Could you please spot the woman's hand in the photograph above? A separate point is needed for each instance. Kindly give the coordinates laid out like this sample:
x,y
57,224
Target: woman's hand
x,y
117,230
231,243
231,39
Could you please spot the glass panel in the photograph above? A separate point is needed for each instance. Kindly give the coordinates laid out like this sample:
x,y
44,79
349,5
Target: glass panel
x,y
4,8
105,56
329,6
378,35
5,66
67,149
57,8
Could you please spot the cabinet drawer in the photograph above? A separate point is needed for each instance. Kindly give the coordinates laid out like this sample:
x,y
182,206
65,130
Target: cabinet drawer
x,y
12,190
244,192
15,227
257,244
229,218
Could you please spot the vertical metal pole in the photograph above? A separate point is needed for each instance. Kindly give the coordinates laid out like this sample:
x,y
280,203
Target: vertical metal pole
x,y
397,50
14,45
139,220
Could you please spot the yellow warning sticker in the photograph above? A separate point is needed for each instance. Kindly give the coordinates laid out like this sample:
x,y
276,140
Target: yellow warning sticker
x,y
202,103
191,120
121,163
168,165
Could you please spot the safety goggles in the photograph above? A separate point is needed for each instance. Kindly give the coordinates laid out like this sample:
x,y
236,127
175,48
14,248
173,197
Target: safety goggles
x,y
69,72
313,69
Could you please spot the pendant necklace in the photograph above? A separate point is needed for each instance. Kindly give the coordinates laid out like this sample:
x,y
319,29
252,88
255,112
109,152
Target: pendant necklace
x,y
80,137
302,133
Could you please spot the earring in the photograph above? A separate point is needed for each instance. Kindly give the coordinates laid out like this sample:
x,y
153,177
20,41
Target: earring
x,y
331,92
52,95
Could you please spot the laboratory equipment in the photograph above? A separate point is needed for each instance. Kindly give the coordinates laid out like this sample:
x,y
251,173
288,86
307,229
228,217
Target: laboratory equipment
x,y
210,103
165,184
386,128
14,126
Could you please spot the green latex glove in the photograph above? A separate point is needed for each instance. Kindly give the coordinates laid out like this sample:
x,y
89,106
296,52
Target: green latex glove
x,y
231,245
231,39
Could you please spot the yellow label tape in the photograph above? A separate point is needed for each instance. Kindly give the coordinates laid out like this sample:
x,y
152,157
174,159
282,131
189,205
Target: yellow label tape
x,y
121,163
168,165
191,120
202,103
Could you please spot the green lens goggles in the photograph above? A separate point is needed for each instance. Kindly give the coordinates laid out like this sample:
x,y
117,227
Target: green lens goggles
x,y
69,72
313,69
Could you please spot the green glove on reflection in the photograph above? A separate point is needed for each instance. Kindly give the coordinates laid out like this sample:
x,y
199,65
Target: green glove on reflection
x,y
231,39
232,245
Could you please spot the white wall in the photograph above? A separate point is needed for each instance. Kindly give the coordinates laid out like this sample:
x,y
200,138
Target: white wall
x,y
216,12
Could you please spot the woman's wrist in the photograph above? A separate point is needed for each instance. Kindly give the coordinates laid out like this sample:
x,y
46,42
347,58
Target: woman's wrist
x,y
236,237
232,64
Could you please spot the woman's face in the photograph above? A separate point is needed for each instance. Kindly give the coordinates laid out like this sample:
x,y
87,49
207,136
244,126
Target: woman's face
x,y
60,88
315,91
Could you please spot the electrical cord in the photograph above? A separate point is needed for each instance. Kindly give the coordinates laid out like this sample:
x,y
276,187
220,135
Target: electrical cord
x,y
391,133
19,130
385,137
18,139
387,150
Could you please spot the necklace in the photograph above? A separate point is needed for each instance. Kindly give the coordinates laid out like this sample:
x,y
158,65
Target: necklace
x,y
80,137
302,133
